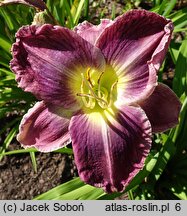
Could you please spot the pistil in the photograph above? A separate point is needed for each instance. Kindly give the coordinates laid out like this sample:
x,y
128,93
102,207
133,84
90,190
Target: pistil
x,y
111,91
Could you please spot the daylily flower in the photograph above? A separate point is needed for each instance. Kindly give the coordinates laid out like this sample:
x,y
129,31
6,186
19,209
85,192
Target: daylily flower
x,y
98,89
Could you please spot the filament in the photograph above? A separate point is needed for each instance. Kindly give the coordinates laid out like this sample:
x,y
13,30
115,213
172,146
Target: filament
x,y
92,92
111,95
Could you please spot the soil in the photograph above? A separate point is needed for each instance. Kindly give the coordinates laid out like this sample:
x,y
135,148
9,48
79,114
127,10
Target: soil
x,y
18,180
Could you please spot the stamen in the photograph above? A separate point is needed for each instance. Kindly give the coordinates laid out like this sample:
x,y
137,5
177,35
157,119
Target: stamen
x,y
86,103
91,102
91,96
92,91
111,95
87,84
84,100
98,81
99,84
85,95
88,77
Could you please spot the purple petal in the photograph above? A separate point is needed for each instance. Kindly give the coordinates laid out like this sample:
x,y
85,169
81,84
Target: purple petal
x,y
43,129
48,61
91,32
111,148
162,108
135,45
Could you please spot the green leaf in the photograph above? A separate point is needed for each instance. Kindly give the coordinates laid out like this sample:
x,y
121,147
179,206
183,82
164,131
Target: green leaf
x,y
181,135
4,61
7,73
86,11
19,151
28,150
166,153
169,7
5,43
78,12
7,141
165,7
65,150
174,51
180,79
81,193
10,19
179,18
156,2
61,189
181,195
71,190
176,181
70,22
162,7
33,159
180,29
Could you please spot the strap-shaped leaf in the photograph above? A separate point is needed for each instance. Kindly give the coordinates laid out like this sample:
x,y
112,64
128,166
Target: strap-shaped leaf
x,y
72,190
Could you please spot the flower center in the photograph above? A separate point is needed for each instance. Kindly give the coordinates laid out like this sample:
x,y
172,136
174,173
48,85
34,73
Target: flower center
x,y
93,93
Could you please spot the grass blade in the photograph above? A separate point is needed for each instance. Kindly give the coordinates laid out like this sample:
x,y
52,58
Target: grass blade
x,y
7,141
72,190
169,7
61,189
33,159
78,12
180,79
